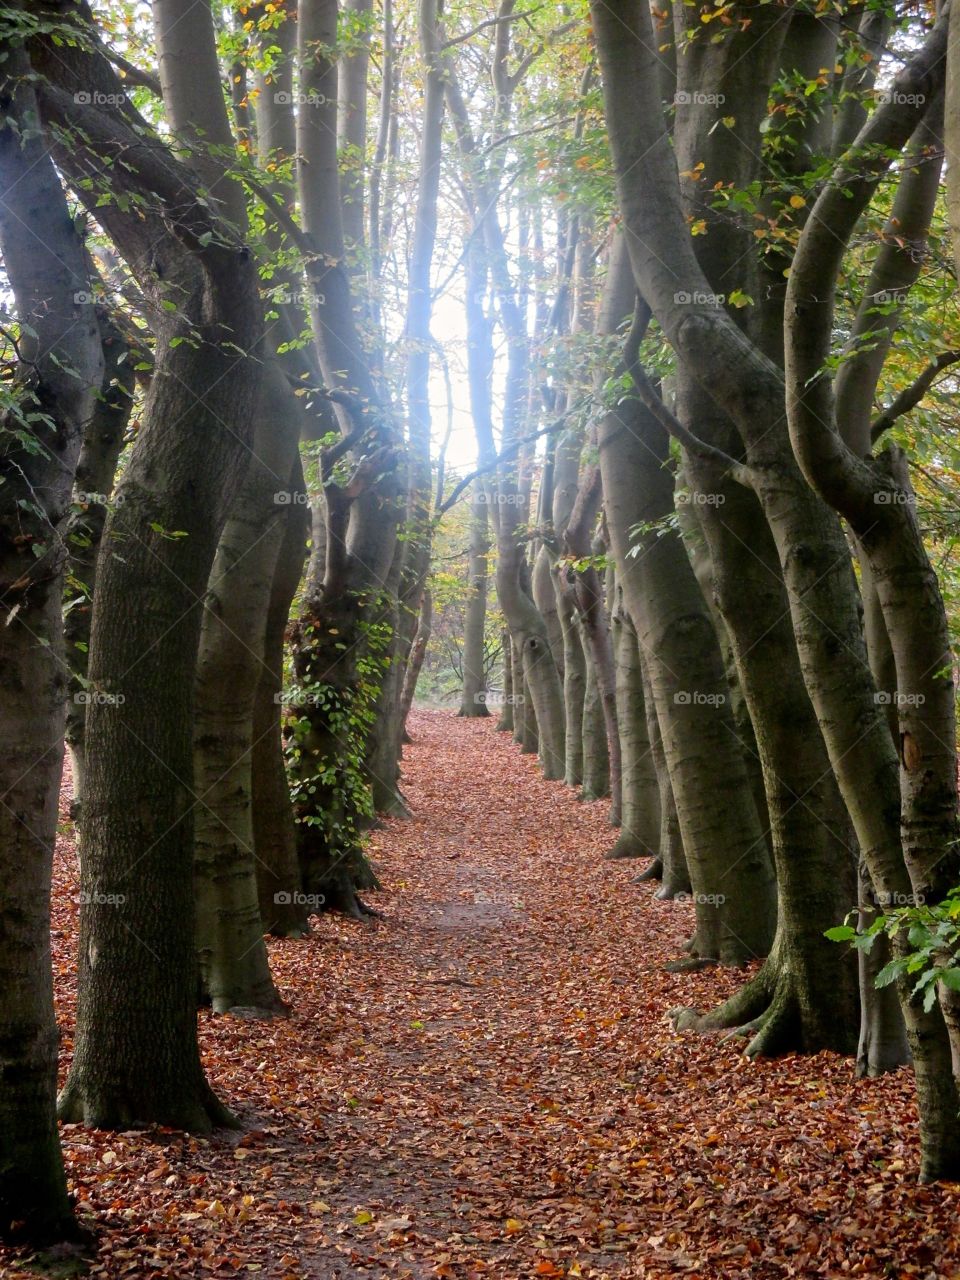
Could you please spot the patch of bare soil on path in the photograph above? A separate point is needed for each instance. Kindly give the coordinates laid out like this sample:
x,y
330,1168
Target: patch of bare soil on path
x,y
484,1083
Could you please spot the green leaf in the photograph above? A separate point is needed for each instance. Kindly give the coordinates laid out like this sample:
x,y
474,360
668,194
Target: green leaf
x,y
841,933
889,973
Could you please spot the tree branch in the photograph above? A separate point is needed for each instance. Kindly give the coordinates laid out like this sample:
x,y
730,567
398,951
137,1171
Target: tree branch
x,y
911,396
133,74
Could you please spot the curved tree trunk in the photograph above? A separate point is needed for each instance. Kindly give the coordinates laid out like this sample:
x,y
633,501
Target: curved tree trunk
x,y
136,1057
96,469
418,652
234,969
55,389
283,905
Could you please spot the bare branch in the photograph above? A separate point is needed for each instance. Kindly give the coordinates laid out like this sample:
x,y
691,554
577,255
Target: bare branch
x,y
490,22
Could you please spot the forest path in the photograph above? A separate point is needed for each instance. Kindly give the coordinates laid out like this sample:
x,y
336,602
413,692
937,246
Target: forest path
x,y
484,1083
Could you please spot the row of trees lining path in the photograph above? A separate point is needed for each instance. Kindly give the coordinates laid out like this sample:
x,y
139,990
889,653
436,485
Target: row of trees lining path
x,y
485,1082
690,272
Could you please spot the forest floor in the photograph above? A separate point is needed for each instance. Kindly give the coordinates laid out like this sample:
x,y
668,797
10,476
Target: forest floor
x,y
485,1083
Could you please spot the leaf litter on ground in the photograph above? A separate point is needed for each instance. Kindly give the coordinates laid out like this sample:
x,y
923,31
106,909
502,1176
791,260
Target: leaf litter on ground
x,y
484,1083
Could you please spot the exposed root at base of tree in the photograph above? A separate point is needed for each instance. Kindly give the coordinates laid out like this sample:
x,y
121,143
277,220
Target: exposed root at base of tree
x,y
627,846
690,964
766,1012
487,1084
200,1113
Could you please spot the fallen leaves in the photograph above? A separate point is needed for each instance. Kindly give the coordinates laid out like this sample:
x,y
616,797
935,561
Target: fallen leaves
x,y
485,1085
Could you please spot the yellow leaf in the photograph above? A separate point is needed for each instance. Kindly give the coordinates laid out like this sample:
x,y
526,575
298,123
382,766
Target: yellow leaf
x,y
363,1217
513,1225
797,202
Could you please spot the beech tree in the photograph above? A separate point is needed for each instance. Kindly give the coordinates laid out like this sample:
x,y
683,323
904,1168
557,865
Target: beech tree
x,y
592,353
51,391
813,554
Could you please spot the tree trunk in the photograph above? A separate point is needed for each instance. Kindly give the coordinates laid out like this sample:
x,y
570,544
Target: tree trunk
x,y
673,871
136,1058
473,700
596,764
418,652
574,678
352,120
283,905
50,403
96,469
234,969
505,721
640,819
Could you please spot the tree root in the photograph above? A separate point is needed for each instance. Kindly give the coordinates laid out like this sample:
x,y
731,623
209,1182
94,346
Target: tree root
x,y
256,1012
691,964
653,872
767,1012
200,1114
627,846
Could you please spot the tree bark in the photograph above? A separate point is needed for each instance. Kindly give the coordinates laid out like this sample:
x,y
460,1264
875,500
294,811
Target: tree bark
x,y
813,555
284,909
640,818
234,969
136,1057
59,370
473,701
96,469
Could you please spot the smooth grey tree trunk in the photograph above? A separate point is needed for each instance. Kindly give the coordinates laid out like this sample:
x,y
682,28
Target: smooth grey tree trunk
x,y
284,909
639,835
473,700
